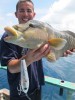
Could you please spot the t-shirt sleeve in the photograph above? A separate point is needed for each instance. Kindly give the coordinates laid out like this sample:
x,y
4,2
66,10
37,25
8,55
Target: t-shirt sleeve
x,y
8,51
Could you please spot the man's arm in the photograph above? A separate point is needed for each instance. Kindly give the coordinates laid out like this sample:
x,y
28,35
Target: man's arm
x,y
30,57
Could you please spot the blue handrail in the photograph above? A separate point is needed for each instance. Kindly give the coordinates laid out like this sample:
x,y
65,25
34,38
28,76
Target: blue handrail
x,y
3,67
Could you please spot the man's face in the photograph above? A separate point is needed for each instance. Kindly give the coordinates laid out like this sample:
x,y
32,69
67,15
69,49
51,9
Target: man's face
x,y
25,12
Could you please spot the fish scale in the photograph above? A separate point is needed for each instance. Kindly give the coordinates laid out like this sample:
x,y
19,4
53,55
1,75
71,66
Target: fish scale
x,y
69,45
37,35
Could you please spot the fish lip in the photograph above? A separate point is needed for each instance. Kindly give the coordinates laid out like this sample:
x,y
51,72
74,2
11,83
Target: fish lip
x,y
11,30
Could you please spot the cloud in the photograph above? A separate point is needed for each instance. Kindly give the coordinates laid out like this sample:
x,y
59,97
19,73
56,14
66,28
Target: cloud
x,y
55,8
10,14
61,15
40,12
7,19
68,22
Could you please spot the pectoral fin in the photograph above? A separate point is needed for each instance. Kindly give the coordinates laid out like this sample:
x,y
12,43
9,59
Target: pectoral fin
x,y
57,43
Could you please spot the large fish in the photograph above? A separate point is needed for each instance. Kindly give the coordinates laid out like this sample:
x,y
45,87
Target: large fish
x,y
35,33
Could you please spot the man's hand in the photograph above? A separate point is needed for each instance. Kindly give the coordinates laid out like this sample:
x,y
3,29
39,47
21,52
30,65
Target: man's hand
x,y
69,52
37,54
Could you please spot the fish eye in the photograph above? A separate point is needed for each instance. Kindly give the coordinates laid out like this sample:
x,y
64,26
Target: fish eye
x,y
35,25
31,25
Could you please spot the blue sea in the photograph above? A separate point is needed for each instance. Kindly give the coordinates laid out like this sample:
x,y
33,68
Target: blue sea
x,y
3,79
64,69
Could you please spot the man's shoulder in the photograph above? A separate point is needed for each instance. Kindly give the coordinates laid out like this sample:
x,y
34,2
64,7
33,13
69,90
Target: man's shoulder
x,y
4,35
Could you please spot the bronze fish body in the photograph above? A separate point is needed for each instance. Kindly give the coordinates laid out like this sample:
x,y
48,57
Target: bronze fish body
x,y
35,33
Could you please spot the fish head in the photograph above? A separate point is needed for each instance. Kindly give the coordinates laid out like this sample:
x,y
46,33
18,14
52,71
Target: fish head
x,y
12,35
30,27
25,35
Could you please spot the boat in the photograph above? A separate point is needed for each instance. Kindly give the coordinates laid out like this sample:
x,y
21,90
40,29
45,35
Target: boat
x,y
70,86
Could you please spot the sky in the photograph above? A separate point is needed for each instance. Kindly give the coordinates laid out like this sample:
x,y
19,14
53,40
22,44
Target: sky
x,y
60,14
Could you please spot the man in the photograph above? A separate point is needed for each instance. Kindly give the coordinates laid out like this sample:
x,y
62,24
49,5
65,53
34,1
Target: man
x,y
11,56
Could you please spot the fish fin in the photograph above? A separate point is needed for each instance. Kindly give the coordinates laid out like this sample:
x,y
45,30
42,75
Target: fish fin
x,y
11,30
15,27
21,39
57,43
51,57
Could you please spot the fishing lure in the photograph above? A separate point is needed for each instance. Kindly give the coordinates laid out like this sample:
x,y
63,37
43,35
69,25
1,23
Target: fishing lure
x,y
24,77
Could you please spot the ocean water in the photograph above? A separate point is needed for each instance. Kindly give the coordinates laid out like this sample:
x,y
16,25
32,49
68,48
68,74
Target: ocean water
x,y
64,69
3,79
